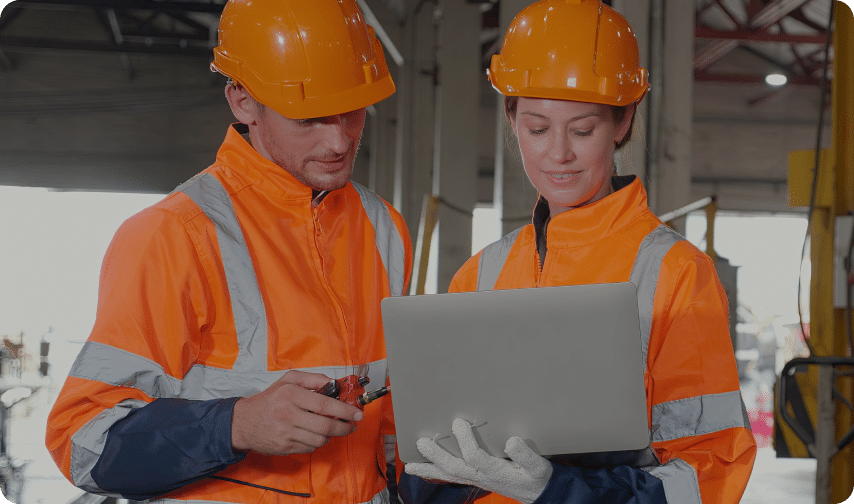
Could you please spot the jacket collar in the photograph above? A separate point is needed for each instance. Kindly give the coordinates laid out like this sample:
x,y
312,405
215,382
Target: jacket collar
x,y
590,223
237,155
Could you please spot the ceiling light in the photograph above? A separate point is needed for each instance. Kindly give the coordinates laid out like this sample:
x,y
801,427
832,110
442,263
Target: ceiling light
x,y
776,79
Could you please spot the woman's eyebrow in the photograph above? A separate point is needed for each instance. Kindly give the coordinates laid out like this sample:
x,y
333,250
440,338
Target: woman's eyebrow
x,y
534,114
576,118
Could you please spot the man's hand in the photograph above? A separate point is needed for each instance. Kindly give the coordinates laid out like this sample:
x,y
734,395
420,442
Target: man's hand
x,y
289,417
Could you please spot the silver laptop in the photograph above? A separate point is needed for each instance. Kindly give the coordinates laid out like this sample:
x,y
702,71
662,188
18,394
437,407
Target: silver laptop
x,y
560,367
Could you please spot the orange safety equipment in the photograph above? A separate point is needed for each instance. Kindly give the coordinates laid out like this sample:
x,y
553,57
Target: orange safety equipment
x,y
217,291
302,59
700,433
592,58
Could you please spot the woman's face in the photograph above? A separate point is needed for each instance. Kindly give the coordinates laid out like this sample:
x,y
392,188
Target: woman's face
x,y
568,148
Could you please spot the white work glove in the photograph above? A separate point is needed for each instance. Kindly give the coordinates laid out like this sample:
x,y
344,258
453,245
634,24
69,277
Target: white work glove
x,y
522,478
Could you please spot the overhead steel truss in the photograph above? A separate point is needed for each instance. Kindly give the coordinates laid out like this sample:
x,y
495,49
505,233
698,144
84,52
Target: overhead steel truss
x,y
757,22
189,28
132,26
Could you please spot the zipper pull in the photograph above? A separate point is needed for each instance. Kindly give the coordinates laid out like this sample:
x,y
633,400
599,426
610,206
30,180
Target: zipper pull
x,y
317,227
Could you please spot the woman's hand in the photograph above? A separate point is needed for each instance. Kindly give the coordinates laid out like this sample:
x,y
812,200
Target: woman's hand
x,y
523,477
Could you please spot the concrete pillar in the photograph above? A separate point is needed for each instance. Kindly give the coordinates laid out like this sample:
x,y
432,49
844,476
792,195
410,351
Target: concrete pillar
x,y
670,182
514,194
455,158
380,131
415,101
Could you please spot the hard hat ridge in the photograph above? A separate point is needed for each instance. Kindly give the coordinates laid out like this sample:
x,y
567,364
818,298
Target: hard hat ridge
x,y
579,50
301,58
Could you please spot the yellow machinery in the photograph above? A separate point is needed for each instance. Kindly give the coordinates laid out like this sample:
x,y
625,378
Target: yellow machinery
x,y
816,393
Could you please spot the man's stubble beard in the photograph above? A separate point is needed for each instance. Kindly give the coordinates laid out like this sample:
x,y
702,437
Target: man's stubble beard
x,y
303,175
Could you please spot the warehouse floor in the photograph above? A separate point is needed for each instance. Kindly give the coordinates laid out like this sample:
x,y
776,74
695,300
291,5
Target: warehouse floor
x,y
777,480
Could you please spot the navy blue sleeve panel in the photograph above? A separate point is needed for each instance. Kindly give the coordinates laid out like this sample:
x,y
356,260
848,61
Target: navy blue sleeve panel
x,y
414,490
391,479
615,485
165,445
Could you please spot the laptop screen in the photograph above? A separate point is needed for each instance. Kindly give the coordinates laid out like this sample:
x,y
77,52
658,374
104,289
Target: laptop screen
x,y
561,367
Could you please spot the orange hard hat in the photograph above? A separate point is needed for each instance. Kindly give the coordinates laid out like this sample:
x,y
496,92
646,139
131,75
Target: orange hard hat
x,y
303,59
580,50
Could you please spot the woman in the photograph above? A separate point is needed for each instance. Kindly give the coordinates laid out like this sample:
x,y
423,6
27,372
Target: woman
x,y
569,73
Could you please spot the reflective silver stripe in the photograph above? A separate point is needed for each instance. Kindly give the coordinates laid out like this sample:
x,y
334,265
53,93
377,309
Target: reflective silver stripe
x,y
696,416
247,305
680,481
389,243
120,368
672,420
389,442
492,260
648,457
205,382
380,498
88,442
116,367
645,273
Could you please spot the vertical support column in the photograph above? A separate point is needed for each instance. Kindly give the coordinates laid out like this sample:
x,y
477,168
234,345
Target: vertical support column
x,y
381,176
825,445
415,97
671,184
514,194
843,153
632,159
458,102
823,317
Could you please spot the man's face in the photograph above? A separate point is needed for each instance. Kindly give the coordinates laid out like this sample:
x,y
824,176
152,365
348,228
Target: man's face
x,y
318,152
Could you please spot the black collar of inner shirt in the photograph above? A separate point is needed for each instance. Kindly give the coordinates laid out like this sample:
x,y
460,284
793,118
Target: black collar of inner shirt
x,y
542,215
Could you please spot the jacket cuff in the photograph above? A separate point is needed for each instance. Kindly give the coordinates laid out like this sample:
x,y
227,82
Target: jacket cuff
x,y
222,438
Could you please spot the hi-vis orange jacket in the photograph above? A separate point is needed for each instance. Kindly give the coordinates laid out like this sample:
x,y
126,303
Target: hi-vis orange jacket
x,y
213,294
701,439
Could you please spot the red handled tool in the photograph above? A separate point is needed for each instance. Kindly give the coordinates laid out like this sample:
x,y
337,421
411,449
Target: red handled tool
x,y
351,389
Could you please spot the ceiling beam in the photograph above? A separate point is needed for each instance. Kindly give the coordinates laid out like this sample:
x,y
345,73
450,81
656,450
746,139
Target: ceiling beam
x,y
386,26
738,78
127,46
162,6
137,36
730,15
745,35
770,14
775,11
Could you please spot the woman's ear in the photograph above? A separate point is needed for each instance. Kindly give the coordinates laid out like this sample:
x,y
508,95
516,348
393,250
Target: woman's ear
x,y
626,123
243,105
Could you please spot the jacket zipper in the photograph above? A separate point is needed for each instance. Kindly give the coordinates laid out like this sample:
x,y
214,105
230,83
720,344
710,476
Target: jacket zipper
x,y
318,231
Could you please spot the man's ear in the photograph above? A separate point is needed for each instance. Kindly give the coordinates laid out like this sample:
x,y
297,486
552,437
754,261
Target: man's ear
x,y
243,105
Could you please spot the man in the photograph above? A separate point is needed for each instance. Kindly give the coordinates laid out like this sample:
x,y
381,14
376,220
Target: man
x,y
226,306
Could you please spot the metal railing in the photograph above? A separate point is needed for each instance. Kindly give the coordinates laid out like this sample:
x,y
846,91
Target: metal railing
x,y
822,446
